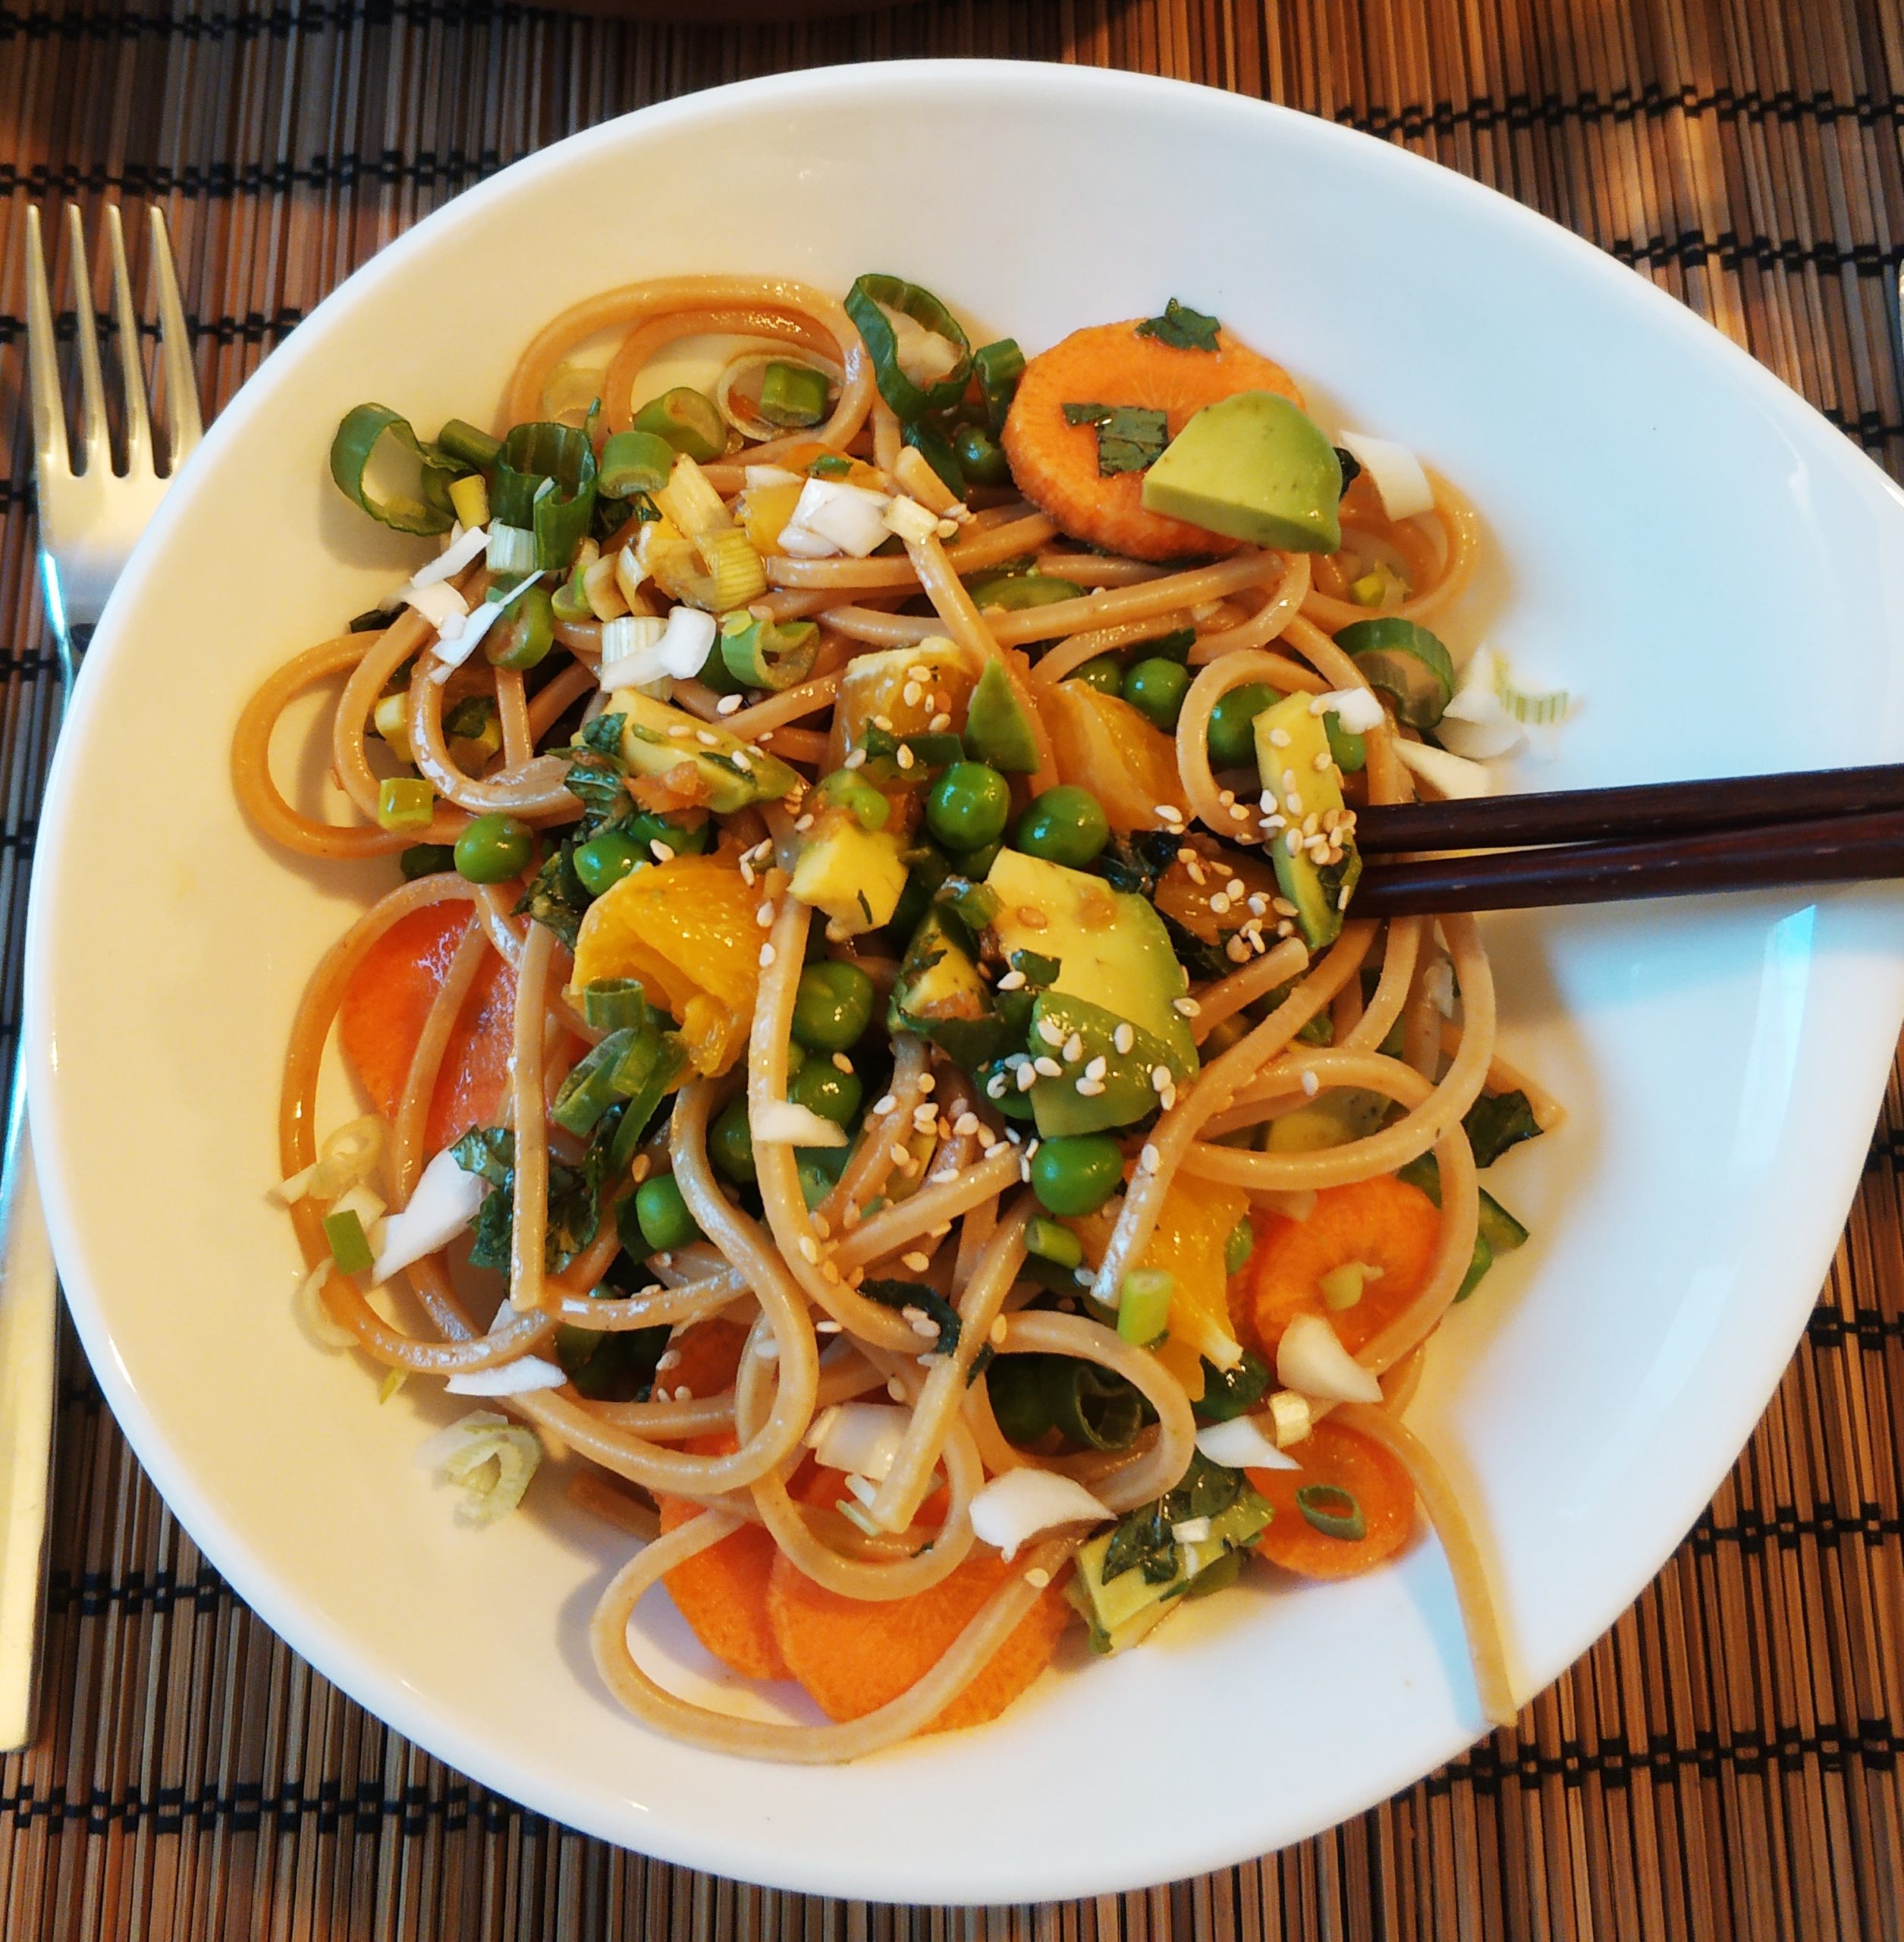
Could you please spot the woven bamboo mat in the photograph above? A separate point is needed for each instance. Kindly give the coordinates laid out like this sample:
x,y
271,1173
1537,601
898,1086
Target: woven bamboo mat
x,y
1725,1762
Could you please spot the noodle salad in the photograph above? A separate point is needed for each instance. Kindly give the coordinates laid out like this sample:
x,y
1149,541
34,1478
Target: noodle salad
x,y
870,1058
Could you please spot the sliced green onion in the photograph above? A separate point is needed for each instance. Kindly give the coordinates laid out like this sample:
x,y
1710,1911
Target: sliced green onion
x,y
687,421
1536,711
349,1247
405,802
767,654
512,548
1342,1288
999,366
1092,1407
1332,1510
615,1004
1050,1242
1014,593
933,446
793,394
545,480
635,462
649,1069
1143,1306
867,304
1240,1245
589,1090
374,439
847,789
471,498
468,444
522,638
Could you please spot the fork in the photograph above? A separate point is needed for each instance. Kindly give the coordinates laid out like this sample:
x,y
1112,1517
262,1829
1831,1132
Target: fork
x,y
90,519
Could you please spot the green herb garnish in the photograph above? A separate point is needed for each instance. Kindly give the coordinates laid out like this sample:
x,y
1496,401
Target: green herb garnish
x,y
1181,327
1130,437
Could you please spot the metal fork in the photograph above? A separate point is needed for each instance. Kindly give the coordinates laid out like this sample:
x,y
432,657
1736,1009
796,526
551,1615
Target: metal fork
x,y
89,517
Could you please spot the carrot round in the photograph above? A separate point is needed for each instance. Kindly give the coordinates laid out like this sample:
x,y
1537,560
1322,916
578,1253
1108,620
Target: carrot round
x,y
387,1001
708,1354
1382,1223
1055,465
1335,1459
722,1592
854,1654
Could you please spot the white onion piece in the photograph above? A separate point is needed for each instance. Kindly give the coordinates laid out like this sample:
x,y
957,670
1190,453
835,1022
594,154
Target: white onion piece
x,y
831,517
781,1122
444,1202
1311,1359
456,647
649,651
1475,723
439,603
1453,775
1242,1443
761,476
511,1378
1014,1508
1358,709
1393,470
862,1437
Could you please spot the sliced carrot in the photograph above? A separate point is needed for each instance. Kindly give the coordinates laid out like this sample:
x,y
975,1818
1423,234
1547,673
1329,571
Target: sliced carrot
x,y
386,1002
722,1592
1344,1459
854,1654
1055,465
1382,1223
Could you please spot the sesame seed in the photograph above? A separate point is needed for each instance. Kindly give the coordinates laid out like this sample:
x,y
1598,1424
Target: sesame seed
x,y
768,1347
928,1083
855,758
1236,951
940,723
810,1250
918,1263
998,1330
1239,813
1188,1007
1294,802
995,1086
1038,1576
663,853
966,1125
895,1389
1285,929
746,873
670,1358
767,956
1027,1078
1168,812
1226,797
1090,1088
912,694
1283,906
763,916
918,671
1047,1068
1279,738
1160,1077
1073,1049
823,1226
828,1326
731,705
1011,980
997,1147
1097,1067
707,738
885,1104
1124,1037
1149,1160
1220,902
901,1153
684,1394
1051,1031
1293,841
1310,1084
904,757
1321,762
1342,902
805,822
639,1171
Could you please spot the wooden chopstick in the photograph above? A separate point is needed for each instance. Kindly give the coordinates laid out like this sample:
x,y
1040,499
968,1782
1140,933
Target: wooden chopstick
x,y
1821,849
1643,810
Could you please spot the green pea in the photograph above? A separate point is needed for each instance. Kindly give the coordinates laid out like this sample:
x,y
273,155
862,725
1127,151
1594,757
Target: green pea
x,y
1232,725
969,806
425,859
604,860
730,1142
1078,1174
979,456
687,420
1240,1245
646,830
832,1007
1156,688
662,1215
822,1088
1066,824
1104,672
524,635
493,849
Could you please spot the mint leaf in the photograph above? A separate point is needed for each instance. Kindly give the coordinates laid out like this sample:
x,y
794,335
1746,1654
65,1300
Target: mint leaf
x,y
1181,327
1130,437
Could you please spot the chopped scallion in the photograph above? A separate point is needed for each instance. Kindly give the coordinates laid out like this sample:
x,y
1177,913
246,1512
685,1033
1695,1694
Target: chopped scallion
x,y
349,1245
1332,1510
469,443
686,421
615,1004
589,1090
405,802
999,366
635,462
867,304
379,464
767,654
470,497
793,394
1143,1306
1050,1242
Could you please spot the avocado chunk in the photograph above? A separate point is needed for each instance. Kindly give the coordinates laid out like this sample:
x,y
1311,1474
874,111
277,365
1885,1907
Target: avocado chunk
x,y
656,739
1300,777
1255,467
1057,1104
1138,1598
939,995
903,691
1111,948
996,729
854,874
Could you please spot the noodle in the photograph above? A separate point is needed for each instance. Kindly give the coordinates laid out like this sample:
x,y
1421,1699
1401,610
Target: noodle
x,y
671,1088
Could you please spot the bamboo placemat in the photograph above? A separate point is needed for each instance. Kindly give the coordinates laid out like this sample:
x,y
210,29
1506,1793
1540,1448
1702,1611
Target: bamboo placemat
x,y
1723,1764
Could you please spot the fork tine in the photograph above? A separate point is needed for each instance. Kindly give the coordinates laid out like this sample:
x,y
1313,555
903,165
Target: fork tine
x,y
131,364
95,435
181,383
42,360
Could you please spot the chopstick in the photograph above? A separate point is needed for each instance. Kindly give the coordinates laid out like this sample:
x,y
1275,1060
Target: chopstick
x,y
1579,816
1667,840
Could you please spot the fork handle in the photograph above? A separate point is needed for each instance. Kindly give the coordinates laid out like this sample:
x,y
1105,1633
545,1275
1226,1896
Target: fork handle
x,y
28,1308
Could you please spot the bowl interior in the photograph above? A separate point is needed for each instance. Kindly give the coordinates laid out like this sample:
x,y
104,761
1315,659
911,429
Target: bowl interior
x,y
1668,524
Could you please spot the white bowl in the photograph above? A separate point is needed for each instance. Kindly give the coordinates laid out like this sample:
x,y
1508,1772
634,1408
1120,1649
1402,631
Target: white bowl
x,y
1714,571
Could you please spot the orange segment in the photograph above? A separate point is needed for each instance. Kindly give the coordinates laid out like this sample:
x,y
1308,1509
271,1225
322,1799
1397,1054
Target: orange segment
x,y
1193,1231
1382,1223
1372,1476
685,929
1101,743
1055,465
